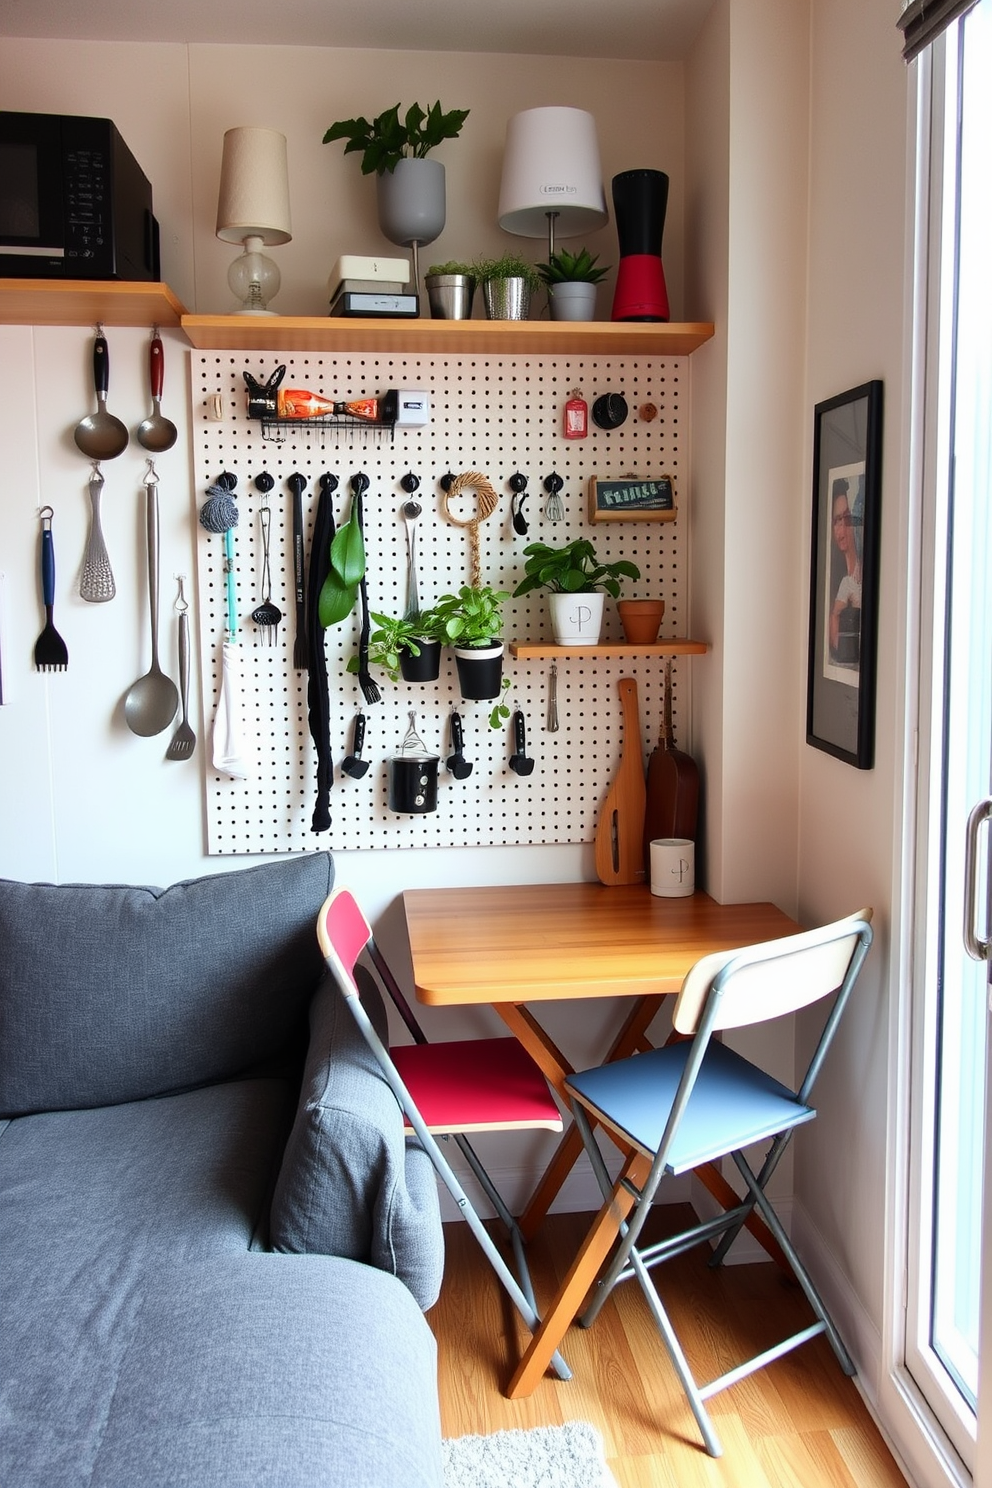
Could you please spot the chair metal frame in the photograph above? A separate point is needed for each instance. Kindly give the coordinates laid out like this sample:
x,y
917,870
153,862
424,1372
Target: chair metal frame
x,y
341,954
724,990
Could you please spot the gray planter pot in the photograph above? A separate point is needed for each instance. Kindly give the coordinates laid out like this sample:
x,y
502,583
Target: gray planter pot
x,y
450,296
506,299
410,201
572,300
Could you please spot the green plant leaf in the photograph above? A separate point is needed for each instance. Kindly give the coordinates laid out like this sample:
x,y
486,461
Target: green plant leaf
x,y
336,600
348,553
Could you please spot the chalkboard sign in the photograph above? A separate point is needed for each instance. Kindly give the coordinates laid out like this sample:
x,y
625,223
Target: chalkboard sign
x,y
632,499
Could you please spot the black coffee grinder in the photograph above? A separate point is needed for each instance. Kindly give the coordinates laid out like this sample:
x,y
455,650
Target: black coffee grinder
x,y
640,198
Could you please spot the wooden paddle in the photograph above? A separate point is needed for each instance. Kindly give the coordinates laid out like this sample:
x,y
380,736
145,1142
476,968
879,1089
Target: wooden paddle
x,y
672,804
620,829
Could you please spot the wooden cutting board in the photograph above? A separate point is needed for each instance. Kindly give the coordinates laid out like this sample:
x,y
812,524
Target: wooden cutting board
x,y
672,805
620,828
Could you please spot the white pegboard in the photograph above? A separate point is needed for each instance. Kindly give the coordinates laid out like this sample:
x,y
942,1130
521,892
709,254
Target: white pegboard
x,y
497,415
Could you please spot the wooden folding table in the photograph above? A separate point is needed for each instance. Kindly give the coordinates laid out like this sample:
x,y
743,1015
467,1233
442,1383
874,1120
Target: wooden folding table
x,y
510,946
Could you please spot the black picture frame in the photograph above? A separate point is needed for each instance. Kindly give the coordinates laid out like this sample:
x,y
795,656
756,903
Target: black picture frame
x,y
843,588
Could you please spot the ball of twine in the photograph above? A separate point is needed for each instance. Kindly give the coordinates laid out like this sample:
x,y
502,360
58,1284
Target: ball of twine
x,y
219,513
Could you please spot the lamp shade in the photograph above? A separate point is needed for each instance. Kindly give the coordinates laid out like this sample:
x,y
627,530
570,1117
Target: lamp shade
x,y
551,164
254,187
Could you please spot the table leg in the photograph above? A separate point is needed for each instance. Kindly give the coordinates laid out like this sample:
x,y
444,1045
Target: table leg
x,y
556,1069
581,1275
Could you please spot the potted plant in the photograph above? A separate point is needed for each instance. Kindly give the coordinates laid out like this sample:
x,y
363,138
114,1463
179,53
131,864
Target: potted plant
x,y
571,280
570,572
507,285
450,290
472,622
409,187
410,648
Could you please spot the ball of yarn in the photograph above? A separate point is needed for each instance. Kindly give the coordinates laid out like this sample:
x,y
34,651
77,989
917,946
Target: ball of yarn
x,y
219,513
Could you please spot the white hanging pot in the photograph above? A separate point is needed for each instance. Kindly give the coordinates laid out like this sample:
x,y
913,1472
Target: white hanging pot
x,y
572,300
577,619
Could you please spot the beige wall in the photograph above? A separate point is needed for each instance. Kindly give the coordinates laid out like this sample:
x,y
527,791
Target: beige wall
x,y
173,104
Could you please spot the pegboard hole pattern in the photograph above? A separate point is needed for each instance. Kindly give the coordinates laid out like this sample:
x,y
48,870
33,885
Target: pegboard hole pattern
x,y
496,415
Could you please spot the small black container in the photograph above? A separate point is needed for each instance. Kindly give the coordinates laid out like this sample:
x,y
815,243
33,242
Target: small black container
x,y
423,668
413,776
480,671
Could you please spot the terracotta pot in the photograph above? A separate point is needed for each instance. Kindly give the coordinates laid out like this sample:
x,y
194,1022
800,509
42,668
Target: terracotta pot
x,y
641,619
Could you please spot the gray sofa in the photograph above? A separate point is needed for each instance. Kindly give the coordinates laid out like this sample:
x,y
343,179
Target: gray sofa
x,y
215,1244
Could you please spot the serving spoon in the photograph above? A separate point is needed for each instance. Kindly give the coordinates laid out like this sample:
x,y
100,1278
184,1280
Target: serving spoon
x,y
150,703
100,435
156,432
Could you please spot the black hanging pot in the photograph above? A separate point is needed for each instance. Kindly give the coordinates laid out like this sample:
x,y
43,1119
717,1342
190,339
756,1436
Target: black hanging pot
x,y
423,668
413,775
480,670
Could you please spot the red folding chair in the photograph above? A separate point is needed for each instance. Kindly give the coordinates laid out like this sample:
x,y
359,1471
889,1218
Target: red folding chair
x,y
447,1089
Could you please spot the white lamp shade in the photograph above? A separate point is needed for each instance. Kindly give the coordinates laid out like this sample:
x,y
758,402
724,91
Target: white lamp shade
x,y
254,187
551,164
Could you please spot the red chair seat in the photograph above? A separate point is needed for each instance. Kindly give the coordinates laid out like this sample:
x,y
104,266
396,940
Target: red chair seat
x,y
476,1085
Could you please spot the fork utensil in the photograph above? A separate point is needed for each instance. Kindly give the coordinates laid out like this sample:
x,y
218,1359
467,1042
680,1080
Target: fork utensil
x,y
184,739
50,651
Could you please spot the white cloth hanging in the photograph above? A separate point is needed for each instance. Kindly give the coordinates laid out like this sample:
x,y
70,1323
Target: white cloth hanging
x,y
229,755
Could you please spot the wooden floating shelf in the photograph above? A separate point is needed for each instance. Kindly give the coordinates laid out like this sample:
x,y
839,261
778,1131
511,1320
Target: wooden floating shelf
x,y
451,337
80,302
83,302
547,650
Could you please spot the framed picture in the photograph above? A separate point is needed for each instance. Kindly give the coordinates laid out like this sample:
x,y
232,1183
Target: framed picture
x,y
843,588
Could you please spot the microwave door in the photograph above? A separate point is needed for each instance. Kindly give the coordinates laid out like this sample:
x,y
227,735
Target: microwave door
x,y
32,225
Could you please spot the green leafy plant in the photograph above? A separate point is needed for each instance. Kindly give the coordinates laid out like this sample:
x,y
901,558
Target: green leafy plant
x,y
472,617
573,569
388,139
453,267
339,590
393,636
572,268
509,266
501,710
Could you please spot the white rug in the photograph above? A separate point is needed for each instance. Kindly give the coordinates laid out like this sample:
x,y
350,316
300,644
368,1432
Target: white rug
x,y
569,1456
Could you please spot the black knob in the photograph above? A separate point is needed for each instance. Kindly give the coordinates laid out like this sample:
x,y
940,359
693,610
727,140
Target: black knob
x,y
264,482
328,482
517,482
609,411
359,482
410,483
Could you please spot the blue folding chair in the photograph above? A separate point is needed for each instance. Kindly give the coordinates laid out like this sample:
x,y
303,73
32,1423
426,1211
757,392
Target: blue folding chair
x,y
695,1101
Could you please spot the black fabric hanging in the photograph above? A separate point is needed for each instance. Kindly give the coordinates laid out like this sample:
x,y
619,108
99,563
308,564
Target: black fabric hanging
x,y
318,696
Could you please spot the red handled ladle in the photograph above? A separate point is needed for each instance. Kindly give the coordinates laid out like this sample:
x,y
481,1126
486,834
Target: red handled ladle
x,y
156,432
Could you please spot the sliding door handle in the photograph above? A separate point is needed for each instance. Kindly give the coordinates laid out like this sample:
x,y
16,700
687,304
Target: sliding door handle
x,y
977,948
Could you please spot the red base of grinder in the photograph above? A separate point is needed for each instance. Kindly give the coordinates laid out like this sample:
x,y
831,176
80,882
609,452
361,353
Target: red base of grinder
x,y
641,293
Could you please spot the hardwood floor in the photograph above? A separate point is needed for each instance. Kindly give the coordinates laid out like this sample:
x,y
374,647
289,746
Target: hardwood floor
x,y
797,1424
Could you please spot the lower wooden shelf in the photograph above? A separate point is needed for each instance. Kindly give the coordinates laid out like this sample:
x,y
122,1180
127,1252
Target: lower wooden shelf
x,y
546,650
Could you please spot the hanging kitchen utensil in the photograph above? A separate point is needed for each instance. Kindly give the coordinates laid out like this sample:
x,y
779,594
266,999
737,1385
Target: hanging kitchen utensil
x,y
156,432
411,512
318,694
150,703
266,615
471,480
184,739
672,804
50,651
100,435
219,513
353,764
553,508
519,763
620,828
518,485
96,581
552,720
370,691
456,761
297,485
413,775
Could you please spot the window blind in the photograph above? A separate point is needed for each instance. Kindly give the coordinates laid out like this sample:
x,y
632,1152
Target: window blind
x,y
922,21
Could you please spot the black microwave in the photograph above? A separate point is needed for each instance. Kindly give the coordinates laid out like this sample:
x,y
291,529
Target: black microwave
x,y
74,202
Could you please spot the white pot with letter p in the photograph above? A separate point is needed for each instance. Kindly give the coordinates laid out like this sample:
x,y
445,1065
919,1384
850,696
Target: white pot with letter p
x,y
577,619
673,867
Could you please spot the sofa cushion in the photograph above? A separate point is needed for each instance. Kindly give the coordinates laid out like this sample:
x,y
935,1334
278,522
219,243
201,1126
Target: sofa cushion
x,y
350,1184
110,993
